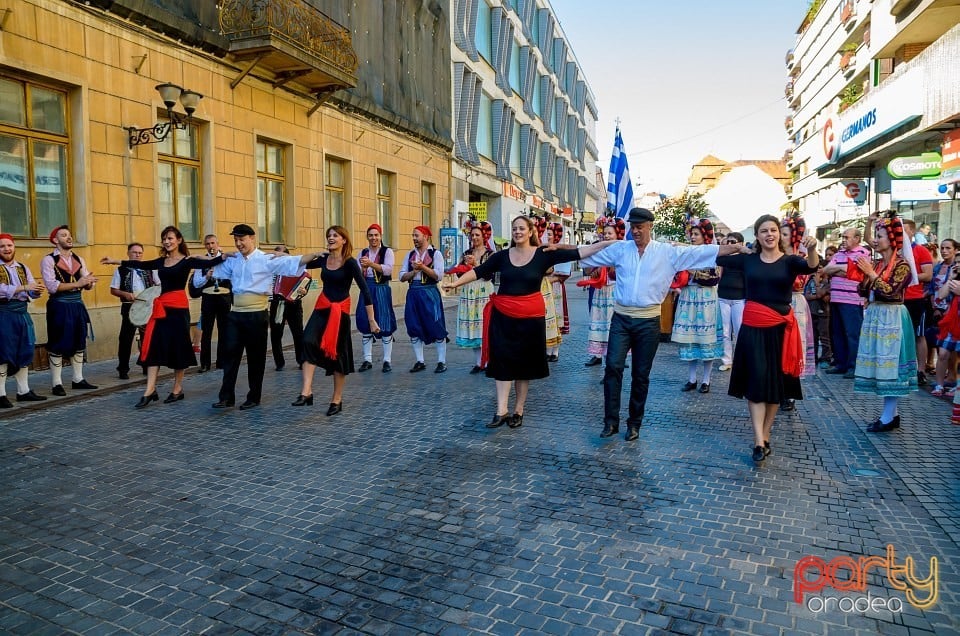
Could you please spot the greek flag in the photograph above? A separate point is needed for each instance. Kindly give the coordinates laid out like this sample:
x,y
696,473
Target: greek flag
x,y
619,188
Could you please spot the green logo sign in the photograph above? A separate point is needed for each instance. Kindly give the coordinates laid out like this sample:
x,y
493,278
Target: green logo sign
x,y
916,167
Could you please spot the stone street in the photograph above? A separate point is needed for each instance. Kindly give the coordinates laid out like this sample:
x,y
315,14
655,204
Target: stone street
x,y
405,515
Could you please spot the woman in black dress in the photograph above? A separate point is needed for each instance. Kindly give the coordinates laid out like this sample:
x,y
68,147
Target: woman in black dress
x,y
166,339
516,332
769,355
326,338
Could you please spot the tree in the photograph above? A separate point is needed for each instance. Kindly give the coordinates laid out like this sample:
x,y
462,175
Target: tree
x,y
671,216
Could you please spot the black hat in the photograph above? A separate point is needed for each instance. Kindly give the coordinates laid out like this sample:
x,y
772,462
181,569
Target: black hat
x,y
640,215
242,230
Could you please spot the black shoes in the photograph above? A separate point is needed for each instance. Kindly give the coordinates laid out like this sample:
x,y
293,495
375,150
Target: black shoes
x,y
633,433
516,421
499,420
303,400
5,402
704,388
83,385
173,397
123,375
334,408
223,404
203,369
366,366
594,361
758,454
387,368
835,370
476,369
441,367
689,386
145,400
280,367
788,405
767,451
30,396
58,390
610,430
921,378
418,367
249,404
879,427
553,358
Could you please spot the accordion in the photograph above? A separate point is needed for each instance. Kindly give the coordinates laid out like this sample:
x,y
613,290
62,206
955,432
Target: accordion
x,y
292,288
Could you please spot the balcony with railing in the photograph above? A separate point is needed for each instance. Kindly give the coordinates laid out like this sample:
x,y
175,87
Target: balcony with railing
x,y
291,39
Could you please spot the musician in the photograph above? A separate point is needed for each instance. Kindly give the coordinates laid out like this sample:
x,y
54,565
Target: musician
x,y
376,263
290,312
126,284
213,307
423,313
65,277
17,288
251,276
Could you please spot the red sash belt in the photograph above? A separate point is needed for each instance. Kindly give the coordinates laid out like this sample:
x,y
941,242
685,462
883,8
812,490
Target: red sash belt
x,y
757,315
950,323
176,299
328,342
529,306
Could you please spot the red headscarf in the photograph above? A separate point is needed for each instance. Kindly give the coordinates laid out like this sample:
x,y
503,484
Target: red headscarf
x,y
706,229
375,226
7,236
487,231
56,230
423,229
797,229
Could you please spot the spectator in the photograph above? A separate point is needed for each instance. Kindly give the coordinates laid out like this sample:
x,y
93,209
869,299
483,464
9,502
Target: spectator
x,y
846,304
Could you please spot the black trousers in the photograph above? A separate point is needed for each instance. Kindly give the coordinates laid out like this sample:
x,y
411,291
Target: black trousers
x,y
292,316
125,341
642,335
213,310
245,331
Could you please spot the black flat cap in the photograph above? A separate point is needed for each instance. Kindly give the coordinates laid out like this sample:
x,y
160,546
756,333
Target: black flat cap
x,y
640,215
242,230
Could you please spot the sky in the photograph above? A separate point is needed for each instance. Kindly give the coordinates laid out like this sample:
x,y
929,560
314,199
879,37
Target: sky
x,y
686,78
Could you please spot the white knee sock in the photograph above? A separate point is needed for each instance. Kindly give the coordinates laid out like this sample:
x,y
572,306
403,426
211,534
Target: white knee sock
x,y
889,409
707,370
442,351
478,356
3,380
418,349
77,363
56,369
368,348
692,371
388,348
23,386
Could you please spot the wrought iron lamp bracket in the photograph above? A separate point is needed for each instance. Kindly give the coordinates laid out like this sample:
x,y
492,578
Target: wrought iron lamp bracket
x,y
159,131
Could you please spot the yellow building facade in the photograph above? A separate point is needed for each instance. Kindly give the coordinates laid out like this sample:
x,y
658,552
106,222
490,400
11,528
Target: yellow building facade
x,y
259,149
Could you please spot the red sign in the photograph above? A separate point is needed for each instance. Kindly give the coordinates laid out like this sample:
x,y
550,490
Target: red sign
x,y
512,191
951,151
853,190
831,149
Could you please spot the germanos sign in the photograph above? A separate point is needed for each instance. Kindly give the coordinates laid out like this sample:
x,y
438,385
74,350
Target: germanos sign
x,y
917,167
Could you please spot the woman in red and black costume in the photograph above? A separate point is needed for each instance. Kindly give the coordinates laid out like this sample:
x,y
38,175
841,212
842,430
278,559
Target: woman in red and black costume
x,y
326,338
768,360
166,339
514,342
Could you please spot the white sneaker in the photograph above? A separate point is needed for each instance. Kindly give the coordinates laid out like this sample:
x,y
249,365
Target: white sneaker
x,y
725,367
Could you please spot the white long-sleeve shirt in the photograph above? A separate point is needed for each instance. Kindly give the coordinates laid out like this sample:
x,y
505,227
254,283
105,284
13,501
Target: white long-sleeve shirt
x,y
418,256
645,281
254,274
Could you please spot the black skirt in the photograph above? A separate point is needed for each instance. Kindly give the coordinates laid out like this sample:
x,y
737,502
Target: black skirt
x,y
757,372
518,348
170,344
313,334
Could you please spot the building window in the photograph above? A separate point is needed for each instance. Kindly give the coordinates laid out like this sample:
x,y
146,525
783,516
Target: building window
x,y
334,191
482,37
34,145
426,203
178,164
515,68
385,204
516,166
537,106
271,185
485,127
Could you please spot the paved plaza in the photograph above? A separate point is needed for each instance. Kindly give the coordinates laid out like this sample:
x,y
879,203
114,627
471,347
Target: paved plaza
x,y
405,515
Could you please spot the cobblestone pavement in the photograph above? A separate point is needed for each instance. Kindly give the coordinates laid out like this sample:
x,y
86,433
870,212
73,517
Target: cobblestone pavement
x,y
404,515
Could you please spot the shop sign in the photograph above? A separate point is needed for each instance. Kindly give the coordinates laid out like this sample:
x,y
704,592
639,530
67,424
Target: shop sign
x,y
589,217
876,114
478,210
855,192
916,167
513,192
917,190
950,168
567,212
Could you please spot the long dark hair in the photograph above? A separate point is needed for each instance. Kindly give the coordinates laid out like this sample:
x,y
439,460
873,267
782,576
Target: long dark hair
x,y
766,218
181,247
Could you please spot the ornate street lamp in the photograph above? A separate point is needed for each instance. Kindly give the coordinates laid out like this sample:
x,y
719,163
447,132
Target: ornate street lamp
x,y
169,93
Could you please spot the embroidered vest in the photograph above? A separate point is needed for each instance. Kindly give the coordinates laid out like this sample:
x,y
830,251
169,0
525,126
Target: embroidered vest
x,y
64,277
5,276
424,280
126,279
378,278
